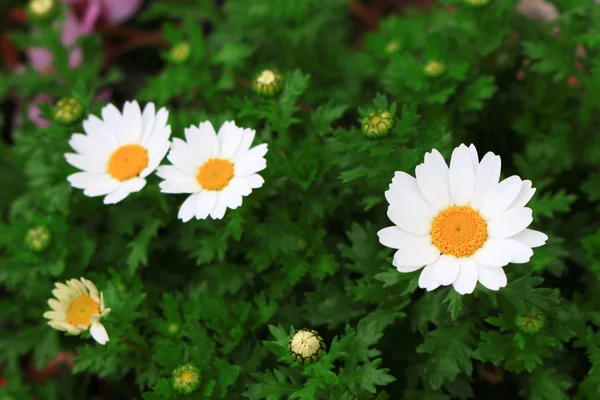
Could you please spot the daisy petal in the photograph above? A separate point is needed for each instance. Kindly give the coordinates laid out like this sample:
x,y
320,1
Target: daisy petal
x,y
408,208
148,118
531,238
525,194
218,212
466,279
462,176
510,223
230,137
245,143
396,238
518,252
446,269
487,175
188,209
416,256
427,279
210,140
492,253
205,203
492,278
499,197
433,186
132,119
176,181
99,333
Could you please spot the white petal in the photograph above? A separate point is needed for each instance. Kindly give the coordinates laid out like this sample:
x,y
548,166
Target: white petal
x,y
253,181
230,137
114,121
474,156
242,185
462,176
252,162
86,145
525,194
205,203
218,211
176,181
446,269
232,198
99,333
245,143
416,256
531,238
499,197
156,155
103,185
487,175
147,122
182,156
160,130
84,180
492,253
126,188
408,208
492,278
101,131
210,140
86,163
433,186
510,223
436,160
396,238
197,146
427,279
188,208
467,277
518,252
132,117
55,305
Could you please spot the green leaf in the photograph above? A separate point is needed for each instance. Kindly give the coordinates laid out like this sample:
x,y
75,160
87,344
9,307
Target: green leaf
x,y
138,254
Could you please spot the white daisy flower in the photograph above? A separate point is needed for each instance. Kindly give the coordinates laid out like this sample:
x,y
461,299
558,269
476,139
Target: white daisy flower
x,y
78,307
217,169
119,151
460,222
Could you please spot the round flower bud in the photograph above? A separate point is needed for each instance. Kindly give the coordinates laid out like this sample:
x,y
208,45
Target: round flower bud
x,y
67,111
268,83
173,329
378,124
434,68
179,53
531,323
41,10
306,346
186,378
37,238
476,3
392,47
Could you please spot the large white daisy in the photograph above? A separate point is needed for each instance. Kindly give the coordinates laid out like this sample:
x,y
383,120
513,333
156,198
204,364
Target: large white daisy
x,y
459,222
78,307
217,169
118,151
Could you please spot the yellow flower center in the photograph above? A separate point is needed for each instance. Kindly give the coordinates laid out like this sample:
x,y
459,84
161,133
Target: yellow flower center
x,y
187,377
81,310
459,231
266,77
215,174
127,162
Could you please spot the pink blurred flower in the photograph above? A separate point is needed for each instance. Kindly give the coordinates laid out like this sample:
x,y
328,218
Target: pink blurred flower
x,y
83,17
33,111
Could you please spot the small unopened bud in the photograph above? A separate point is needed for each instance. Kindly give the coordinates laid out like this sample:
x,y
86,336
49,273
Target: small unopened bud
x,y
476,3
392,47
531,323
179,53
173,328
378,124
41,10
434,68
268,83
37,238
186,378
67,111
306,346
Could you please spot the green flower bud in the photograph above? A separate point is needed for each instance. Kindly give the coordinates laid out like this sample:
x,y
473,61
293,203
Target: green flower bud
x,y
186,378
268,83
434,68
173,328
179,53
306,346
378,124
392,47
37,238
301,243
41,10
476,3
531,323
67,111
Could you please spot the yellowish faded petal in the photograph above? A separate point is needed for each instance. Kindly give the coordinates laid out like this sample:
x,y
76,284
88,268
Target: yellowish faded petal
x,y
105,312
63,296
77,287
55,316
61,326
101,302
91,287
56,305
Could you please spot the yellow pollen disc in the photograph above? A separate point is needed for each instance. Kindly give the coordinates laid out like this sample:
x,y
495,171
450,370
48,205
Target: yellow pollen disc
x,y
215,174
374,120
459,231
127,162
266,77
81,310
187,376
